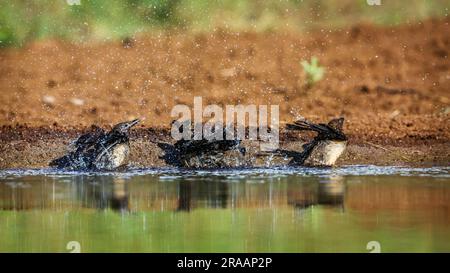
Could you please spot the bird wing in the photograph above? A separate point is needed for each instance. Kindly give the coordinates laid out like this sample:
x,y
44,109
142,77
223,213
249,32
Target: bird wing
x,y
205,146
88,140
191,146
105,149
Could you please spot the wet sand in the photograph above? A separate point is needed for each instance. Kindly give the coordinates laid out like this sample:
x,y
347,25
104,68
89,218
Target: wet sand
x,y
35,148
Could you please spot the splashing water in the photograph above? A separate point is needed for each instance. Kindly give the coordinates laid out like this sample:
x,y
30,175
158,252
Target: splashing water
x,y
352,170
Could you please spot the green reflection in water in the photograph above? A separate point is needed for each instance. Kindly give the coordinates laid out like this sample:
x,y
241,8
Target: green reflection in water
x,y
210,214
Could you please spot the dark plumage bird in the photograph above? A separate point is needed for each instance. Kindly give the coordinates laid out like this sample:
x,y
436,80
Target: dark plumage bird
x,y
324,149
209,153
204,154
98,150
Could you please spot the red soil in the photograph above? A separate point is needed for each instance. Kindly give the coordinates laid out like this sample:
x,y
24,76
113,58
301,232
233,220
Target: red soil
x,y
390,83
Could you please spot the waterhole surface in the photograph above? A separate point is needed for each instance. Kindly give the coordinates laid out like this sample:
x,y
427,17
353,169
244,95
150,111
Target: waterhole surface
x,y
346,209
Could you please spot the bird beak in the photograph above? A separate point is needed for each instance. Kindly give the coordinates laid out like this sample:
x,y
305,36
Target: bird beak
x,y
133,122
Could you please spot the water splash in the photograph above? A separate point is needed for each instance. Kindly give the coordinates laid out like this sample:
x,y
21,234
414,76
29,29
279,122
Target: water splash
x,y
170,173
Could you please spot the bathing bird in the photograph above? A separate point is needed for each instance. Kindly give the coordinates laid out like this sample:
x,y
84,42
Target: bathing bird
x,y
324,149
98,150
204,153
209,153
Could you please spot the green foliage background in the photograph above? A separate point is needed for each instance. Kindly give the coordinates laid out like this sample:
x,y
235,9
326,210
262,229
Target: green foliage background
x,y
23,20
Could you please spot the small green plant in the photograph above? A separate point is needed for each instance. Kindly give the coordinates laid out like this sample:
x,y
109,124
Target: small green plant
x,y
314,72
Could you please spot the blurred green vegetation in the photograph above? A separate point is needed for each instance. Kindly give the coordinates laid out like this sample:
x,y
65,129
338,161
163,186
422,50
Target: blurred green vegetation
x,y
23,20
313,71
204,230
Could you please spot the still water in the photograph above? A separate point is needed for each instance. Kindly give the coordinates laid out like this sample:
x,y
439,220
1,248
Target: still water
x,y
249,210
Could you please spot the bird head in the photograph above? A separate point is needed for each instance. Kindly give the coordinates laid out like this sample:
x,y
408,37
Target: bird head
x,y
124,127
337,126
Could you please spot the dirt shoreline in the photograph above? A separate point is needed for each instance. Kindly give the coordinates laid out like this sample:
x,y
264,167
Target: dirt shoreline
x,y
390,83
24,147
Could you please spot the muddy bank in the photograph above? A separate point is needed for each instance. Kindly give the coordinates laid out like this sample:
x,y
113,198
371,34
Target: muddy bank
x,y
390,83
23,147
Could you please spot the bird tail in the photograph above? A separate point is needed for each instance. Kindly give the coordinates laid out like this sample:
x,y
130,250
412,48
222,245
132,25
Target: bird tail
x,y
304,125
61,162
299,125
